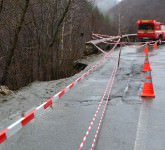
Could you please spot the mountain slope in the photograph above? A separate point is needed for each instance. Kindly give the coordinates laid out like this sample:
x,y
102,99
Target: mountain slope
x,y
132,10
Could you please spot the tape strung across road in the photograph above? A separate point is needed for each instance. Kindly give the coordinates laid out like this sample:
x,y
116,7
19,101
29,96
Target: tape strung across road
x,y
100,49
105,107
95,115
107,93
102,35
18,125
137,46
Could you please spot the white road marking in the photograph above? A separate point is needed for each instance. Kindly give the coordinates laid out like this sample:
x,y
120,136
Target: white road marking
x,y
141,134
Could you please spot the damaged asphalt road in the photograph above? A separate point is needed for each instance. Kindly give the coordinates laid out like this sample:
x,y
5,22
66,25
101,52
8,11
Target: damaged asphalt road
x,y
129,121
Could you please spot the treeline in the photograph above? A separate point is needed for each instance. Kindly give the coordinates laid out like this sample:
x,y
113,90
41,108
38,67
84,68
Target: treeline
x,y
129,11
40,40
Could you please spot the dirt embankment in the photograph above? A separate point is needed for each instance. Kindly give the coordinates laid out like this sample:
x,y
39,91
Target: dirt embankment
x,y
129,80
19,102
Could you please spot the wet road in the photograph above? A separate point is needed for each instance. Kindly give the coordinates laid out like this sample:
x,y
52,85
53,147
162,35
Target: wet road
x,y
130,123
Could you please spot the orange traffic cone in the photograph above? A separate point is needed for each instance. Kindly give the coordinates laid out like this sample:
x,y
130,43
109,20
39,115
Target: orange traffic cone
x,y
155,45
146,50
148,89
146,66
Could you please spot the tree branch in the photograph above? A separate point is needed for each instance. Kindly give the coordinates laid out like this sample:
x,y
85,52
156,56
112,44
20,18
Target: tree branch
x,y
59,23
14,44
1,5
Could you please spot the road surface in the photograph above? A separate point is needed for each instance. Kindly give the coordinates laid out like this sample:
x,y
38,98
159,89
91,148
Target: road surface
x,y
130,123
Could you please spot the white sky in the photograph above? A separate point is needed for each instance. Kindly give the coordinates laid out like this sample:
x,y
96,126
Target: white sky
x,y
105,5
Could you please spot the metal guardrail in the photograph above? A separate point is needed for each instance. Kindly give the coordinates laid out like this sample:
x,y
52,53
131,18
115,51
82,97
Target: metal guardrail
x,y
95,42
128,35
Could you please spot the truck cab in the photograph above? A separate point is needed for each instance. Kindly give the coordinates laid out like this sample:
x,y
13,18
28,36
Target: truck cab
x,y
150,30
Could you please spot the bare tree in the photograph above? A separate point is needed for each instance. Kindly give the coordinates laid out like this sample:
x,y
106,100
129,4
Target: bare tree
x,y
15,40
40,40
60,22
1,5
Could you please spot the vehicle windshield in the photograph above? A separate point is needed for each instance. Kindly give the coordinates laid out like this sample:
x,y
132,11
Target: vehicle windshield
x,y
146,26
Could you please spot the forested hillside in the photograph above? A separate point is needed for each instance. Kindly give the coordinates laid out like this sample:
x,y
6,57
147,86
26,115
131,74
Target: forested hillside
x,y
40,40
132,10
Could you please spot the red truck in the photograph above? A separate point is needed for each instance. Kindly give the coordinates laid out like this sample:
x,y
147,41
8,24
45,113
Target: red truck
x,y
151,30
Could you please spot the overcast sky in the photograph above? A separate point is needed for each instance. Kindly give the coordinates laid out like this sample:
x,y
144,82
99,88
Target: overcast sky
x,y
105,5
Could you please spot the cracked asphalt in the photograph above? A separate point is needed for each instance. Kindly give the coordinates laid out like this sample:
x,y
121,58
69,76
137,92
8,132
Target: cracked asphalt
x,y
130,123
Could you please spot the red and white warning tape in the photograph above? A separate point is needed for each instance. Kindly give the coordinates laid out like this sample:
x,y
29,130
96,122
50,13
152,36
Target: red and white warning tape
x,y
108,87
18,125
95,115
100,49
96,36
102,35
136,46
104,110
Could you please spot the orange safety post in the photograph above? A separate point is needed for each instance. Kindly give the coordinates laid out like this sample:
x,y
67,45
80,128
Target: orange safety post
x,y
148,89
146,50
146,66
155,45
